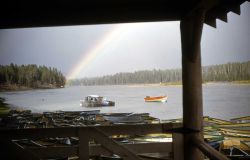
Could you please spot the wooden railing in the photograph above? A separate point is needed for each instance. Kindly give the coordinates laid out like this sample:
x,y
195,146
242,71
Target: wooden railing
x,y
100,134
207,150
105,145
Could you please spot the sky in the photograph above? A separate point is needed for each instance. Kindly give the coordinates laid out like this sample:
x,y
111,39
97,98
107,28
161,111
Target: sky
x,y
97,50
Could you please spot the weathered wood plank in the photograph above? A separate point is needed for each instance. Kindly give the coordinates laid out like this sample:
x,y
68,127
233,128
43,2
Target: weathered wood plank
x,y
62,151
83,146
223,16
129,129
97,149
137,129
236,9
209,151
83,132
211,21
191,31
112,145
150,147
8,148
160,147
178,146
35,133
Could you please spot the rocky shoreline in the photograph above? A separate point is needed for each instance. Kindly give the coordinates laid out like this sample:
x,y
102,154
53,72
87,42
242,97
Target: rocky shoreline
x,y
20,119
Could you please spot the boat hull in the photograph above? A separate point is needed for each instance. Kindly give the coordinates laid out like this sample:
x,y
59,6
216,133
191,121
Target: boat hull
x,y
96,104
95,101
156,99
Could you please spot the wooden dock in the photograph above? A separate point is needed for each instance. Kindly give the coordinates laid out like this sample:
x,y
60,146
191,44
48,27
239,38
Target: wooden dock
x,y
104,145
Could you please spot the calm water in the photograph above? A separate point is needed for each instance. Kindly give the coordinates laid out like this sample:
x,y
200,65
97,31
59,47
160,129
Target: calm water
x,y
219,100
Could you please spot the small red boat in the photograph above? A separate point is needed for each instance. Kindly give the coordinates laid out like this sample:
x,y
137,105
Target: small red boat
x,y
156,99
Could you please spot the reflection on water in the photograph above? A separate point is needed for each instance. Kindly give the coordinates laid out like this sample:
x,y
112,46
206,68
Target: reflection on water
x,y
223,101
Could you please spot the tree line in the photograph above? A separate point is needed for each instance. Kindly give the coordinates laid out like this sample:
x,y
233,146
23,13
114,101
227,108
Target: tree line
x,y
223,72
31,76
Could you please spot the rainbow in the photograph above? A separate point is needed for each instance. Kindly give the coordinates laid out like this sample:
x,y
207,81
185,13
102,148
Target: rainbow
x,y
96,50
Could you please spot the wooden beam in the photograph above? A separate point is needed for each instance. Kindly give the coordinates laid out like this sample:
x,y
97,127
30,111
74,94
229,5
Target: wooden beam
x,y
11,150
83,134
211,21
219,12
83,146
209,151
223,16
60,151
153,147
191,69
235,9
112,145
178,146
129,129
35,133
204,4
28,14
97,149
136,129
191,31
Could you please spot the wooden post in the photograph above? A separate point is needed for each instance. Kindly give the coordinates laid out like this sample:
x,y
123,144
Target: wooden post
x,y
178,146
191,31
83,146
209,151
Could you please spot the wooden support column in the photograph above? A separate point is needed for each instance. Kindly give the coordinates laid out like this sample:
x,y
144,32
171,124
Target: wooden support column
x,y
191,31
83,146
178,146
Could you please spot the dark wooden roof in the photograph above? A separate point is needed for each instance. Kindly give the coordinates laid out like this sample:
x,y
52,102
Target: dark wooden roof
x,y
39,13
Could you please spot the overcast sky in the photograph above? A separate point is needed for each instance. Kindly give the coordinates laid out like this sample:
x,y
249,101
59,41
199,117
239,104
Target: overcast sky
x,y
138,46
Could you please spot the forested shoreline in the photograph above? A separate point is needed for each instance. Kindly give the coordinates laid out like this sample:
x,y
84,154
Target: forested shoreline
x,y
215,73
14,77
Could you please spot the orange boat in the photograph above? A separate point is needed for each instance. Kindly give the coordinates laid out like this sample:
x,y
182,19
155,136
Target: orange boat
x,y
156,99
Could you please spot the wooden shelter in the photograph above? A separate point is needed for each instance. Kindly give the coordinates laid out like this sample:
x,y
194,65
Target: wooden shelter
x,y
192,14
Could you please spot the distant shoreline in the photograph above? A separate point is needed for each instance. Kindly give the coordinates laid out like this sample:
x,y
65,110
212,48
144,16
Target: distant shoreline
x,y
10,88
14,87
246,82
228,72
178,84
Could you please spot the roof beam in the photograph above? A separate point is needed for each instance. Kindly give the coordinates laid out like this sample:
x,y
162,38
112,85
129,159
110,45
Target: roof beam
x,y
19,15
222,16
235,9
210,21
218,12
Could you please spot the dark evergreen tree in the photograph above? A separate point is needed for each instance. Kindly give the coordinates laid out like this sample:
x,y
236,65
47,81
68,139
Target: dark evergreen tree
x,y
224,72
32,76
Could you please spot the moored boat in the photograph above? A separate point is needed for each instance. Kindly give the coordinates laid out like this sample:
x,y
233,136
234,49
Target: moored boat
x,y
234,149
95,101
156,99
245,119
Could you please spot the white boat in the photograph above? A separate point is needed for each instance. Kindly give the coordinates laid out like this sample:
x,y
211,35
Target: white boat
x,y
156,99
95,101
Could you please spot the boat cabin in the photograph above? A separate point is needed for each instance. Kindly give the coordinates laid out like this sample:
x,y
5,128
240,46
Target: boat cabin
x,y
93,98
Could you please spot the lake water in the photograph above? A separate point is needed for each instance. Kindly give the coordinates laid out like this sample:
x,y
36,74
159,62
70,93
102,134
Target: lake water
x,y
222,100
